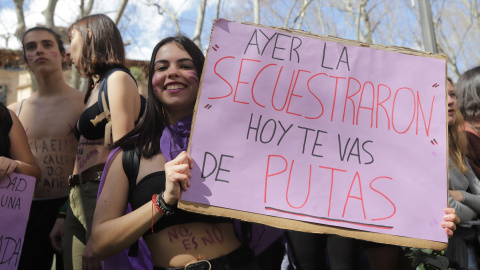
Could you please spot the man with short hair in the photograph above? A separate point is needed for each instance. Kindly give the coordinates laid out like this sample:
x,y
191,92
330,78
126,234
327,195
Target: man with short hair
x,y
48,117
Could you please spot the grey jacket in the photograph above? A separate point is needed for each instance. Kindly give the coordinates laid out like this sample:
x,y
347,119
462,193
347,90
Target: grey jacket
x,y
469,209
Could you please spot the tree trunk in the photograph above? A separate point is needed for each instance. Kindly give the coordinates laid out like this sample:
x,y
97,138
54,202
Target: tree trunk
x,y
320,19
198,28
256,11
21,28
217,12
120,11
289,14
49,13
301,15
19,32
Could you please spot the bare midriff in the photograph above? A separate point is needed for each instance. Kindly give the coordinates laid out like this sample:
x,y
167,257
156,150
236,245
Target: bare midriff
x,y
178,245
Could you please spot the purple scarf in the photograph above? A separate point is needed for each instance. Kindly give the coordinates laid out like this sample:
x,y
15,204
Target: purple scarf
x,y
172,146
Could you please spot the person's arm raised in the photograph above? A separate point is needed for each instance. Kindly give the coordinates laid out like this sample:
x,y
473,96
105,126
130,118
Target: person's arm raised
x,y
22,160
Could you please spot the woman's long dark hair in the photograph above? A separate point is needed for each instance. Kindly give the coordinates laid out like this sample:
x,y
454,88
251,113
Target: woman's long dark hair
x,y
102,50
151,124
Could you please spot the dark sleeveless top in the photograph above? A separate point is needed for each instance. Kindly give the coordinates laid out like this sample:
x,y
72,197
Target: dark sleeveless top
x,y
86,128
5,127
154,183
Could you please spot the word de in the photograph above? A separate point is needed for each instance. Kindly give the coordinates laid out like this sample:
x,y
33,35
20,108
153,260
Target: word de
x,y
216,163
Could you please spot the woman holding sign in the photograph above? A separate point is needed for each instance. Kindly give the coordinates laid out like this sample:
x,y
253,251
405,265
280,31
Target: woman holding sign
x,y
150,172
15,154
464,193
308,250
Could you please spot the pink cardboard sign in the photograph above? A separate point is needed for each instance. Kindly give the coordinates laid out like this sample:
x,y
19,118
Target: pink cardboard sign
x,y
16,193
297,127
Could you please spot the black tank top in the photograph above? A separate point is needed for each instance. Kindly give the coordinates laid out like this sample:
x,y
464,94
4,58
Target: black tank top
x,y
86,128
5,127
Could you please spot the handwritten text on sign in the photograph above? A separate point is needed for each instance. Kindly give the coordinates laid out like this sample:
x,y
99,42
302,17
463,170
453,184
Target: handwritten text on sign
x,y
16,193
313,130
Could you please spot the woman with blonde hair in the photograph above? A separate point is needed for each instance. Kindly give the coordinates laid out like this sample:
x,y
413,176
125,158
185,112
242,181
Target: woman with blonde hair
x,y
464,189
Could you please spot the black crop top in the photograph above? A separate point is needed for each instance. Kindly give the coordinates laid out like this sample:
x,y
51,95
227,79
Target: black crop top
x,y
154,183
86,128
5,127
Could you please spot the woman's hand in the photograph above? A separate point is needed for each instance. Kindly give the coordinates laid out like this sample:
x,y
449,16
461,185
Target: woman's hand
x,y
456,195
57,233
7,166
177,174
451,219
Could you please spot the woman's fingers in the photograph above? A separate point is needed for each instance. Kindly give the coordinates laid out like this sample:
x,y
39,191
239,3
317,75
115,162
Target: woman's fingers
x,y
451,215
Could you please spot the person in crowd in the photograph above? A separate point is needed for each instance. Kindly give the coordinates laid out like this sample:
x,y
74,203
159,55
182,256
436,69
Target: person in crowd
x,y
309,250
162,174
468,91
15,154
464,190
97,51
48,116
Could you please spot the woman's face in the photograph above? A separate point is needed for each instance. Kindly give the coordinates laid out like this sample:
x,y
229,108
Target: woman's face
x,y
452,103
175,79
75,50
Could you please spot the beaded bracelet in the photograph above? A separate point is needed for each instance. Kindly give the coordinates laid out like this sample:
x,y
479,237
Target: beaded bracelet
x,y
168,206
168,209
154,202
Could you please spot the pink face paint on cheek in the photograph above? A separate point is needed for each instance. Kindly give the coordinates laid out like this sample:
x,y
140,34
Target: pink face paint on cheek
x,y
54,54
193,76
29,56
155,79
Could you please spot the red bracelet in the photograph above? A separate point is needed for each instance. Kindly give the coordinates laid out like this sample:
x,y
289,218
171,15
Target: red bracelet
x,y
154,202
